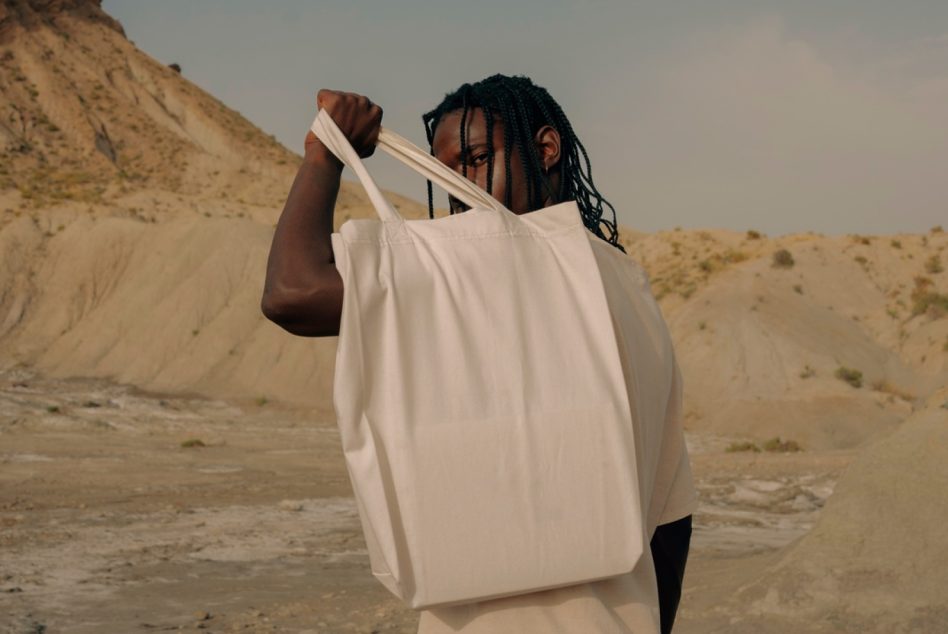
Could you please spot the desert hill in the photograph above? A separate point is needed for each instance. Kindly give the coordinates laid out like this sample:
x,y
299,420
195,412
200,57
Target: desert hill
x,y
138,210
135,216
93,124
762,341
88,118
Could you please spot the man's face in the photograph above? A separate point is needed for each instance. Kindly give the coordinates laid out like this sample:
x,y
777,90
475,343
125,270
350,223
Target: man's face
x,y
447,149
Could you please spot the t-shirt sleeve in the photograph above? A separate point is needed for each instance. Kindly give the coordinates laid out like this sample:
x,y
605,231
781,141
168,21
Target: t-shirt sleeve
x,y
675,495
682,498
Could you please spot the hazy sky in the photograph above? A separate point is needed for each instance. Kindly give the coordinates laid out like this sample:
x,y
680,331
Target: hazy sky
x,y
825,115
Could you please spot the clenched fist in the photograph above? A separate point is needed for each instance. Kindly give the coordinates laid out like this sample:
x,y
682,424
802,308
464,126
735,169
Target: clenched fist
x,y
357,117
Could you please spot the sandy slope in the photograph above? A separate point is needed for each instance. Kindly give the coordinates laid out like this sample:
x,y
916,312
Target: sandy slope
x,y
760,345
147,266
882,530
875,560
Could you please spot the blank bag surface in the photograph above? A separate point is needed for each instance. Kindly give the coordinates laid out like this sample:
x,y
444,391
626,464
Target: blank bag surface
x,y
480,397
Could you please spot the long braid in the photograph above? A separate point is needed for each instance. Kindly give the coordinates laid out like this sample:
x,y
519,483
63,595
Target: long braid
x,y
489,121
531,158
528,150
509,138
523,107
464,137
565,146
582,185
429,132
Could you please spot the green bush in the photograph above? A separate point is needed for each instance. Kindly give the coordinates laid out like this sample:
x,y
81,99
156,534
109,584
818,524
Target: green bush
x,y
935,304
776,445
745,445
851,376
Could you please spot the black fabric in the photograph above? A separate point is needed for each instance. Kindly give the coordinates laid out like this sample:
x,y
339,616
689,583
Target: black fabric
x,y
670,545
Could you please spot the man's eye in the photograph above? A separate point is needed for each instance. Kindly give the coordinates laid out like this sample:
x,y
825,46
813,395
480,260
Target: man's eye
x,y
479,159
456,205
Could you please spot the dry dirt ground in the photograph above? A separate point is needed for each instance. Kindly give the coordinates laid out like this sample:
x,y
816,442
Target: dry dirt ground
x,y
109,524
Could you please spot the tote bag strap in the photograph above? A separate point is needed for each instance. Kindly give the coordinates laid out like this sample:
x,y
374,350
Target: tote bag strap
x,y
437,172
406,152
332,137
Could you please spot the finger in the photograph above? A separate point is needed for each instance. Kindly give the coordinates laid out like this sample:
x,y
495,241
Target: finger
x,y
373,137
326,99
321,97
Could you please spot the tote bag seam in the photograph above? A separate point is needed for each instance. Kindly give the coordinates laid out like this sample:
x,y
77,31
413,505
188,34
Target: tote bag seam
x,y
354,310
471,236
616,361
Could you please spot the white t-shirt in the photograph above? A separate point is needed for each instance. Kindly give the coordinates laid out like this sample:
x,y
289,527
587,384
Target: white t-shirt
x,y
627,603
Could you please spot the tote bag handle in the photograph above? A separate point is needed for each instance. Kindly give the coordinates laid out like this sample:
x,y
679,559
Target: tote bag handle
x,y
408,153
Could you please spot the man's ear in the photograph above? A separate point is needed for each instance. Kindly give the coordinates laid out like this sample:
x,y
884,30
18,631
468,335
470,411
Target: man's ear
x,y
548,147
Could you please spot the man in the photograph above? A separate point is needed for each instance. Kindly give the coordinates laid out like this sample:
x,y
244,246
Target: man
x,y
509,136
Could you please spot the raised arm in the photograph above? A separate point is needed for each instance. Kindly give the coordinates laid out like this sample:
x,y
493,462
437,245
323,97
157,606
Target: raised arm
x,y
303,289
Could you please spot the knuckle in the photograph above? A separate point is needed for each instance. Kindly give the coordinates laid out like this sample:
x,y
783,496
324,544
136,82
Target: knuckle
x,y
327,98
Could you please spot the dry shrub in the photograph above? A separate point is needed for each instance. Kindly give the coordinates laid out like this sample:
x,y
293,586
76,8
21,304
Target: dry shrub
x,y
850,375
933,265
783,259
887,388
776,445
719,261
926,300
745,445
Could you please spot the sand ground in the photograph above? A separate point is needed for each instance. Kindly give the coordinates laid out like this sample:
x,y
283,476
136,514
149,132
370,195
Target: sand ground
x,y
109,524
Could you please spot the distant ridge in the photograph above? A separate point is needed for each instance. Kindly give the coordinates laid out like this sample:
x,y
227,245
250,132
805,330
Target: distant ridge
x,y
136,212
87,116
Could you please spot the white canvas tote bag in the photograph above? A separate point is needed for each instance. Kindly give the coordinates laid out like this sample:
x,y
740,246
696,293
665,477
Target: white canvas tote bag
x,y
480,397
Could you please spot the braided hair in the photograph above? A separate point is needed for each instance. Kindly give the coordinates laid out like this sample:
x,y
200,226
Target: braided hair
x,y
523,107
